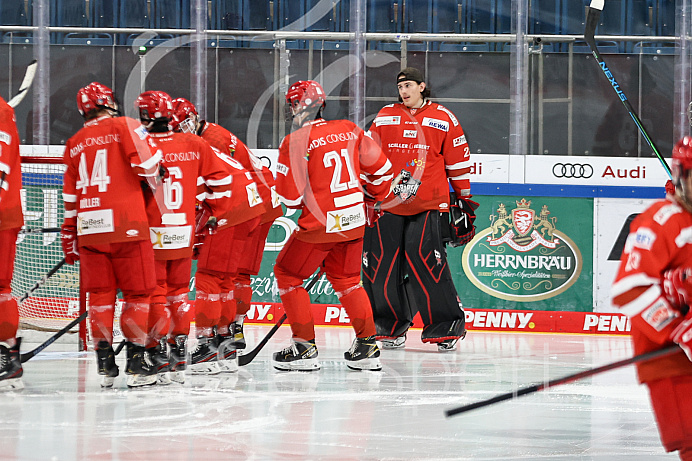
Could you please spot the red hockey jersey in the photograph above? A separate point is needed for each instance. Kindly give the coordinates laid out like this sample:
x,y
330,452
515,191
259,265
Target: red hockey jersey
x,y
322,168
246,201
660,239
10,170
427,149
194,170
106,161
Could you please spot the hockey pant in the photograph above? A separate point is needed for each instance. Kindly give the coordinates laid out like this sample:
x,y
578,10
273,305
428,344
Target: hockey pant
x,y
169,311
128,266
298,260
217,265
670,399
405,271
9,311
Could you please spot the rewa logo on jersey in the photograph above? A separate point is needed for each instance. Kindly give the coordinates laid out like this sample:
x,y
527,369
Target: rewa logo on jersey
x,y
522,256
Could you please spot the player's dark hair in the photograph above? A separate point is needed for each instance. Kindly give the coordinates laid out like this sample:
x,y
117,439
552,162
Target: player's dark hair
x,y
160,125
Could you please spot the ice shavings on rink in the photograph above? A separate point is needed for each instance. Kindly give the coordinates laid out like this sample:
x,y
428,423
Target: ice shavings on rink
x,y
259,413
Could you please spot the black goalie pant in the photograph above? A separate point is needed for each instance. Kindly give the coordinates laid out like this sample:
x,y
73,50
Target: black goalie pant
x,y
405,271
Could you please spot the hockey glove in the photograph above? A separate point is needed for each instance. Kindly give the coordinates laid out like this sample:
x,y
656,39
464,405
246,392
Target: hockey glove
x,y
677,287
670,188
68,238
682,336
462,214
372,211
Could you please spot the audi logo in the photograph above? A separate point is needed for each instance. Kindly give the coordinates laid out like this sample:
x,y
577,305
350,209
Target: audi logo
x,y
572,170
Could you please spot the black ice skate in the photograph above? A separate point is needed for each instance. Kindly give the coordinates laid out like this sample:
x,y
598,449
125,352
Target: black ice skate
x,y
10,367
236,329
178,359
205,357
363,355
159,357
227,356
394,343
299,356
140,368
450,344
105,358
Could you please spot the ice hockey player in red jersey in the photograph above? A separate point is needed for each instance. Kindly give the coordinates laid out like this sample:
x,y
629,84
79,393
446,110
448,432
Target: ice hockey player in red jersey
x,y
404,257
236,293
322,170
11,221
106,226
653,287
194,172
220,256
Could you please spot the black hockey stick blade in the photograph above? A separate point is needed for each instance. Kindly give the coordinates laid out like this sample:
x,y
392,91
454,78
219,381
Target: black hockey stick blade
x,y
120,347
249,357
592,15
28,355
26,83
43,280
564,380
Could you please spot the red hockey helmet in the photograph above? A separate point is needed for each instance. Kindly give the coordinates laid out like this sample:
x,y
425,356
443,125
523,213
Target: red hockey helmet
x,y
185,116
95,96
305,95
154,105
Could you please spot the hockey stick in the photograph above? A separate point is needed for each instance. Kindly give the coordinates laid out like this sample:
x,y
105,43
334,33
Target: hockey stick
x,y
566,379
43,280
249,357
45,230
594,12
26,83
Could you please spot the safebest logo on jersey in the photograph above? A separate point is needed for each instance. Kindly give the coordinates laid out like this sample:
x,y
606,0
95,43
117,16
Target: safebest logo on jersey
x,y
522,256
345,219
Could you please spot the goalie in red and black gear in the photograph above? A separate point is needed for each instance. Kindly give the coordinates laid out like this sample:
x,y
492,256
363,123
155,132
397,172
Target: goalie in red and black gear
x,y
653,288
404,256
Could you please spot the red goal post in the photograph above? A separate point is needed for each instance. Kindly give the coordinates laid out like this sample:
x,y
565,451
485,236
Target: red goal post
x,y
59,300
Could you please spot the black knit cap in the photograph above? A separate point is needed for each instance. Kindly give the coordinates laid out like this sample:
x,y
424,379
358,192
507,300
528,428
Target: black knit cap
x,y
410,73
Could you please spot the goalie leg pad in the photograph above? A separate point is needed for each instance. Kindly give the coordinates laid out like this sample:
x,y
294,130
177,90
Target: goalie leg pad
x,y
443,331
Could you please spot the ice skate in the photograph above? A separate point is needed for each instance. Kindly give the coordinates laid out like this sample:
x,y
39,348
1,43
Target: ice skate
x,y
237,331
394,343
159,357
227,356
178,359
205,358
299,356
105,358
140,368
363,355
10,367
447,345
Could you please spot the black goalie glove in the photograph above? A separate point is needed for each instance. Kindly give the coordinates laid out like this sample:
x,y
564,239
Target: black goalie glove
x,y
462,214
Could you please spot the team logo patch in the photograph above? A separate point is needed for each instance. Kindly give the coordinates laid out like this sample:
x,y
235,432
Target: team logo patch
x,y
253,196
170,238
391,120
460,140
659,315
346,219
95,222
435,123
644,239
141,132
407,188
410,133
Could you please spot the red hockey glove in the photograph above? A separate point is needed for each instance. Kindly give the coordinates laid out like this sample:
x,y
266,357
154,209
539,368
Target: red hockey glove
x,y
677,287
202,220
462,214
372,211
682,336
68,238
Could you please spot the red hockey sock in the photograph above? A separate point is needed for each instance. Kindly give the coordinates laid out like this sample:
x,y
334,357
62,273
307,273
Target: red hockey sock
x,y
9,317
297,307
207,312
357,306
181,315
243,295
133,321
159,322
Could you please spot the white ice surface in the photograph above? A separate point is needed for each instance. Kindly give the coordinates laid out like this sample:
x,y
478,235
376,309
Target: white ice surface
x,y
262,414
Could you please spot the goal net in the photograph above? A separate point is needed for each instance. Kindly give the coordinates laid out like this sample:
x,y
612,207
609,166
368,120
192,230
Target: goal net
x,y
56,302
